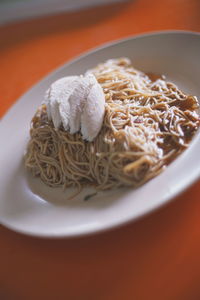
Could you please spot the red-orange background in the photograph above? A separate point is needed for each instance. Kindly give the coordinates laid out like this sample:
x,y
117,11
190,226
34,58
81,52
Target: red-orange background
x,y
156,257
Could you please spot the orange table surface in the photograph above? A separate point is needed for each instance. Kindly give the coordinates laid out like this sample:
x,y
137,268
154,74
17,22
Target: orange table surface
x,y
156,257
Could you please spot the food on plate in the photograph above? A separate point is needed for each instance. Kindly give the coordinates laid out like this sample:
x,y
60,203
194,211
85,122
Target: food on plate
x,y
113,126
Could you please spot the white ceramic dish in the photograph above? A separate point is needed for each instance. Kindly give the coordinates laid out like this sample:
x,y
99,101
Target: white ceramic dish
x,y
30,207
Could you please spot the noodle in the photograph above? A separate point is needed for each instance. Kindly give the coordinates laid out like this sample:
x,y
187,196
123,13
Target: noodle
x,y
147,123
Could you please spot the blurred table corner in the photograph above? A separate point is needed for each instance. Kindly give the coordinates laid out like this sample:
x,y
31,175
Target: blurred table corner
x,y
17,10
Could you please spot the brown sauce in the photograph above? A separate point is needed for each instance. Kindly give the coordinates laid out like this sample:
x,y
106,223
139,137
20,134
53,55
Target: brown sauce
x,y
154,76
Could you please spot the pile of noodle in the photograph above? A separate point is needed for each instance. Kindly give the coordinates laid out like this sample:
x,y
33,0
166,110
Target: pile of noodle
x,y
147,123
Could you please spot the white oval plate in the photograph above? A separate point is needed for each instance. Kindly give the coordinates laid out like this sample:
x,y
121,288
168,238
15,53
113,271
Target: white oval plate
x,y
30,207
